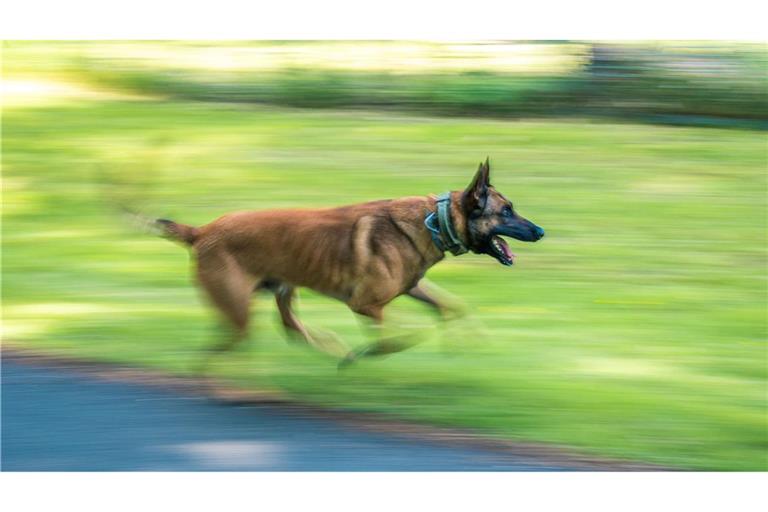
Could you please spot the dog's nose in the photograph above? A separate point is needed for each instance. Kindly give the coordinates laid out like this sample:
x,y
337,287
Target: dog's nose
x,y
539,231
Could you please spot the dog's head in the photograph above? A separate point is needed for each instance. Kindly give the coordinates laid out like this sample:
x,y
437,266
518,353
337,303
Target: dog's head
x,y
489,216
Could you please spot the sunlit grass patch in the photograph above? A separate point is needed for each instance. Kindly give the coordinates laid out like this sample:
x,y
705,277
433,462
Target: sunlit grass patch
x,y
42,91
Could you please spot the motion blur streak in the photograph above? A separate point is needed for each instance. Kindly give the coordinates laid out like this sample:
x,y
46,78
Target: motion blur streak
x,y
636,329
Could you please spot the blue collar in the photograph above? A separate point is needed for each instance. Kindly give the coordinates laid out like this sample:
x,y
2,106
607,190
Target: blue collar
x,y
440,227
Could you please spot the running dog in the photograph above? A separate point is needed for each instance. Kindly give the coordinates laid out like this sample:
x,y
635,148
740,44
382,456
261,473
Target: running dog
x,y
364,255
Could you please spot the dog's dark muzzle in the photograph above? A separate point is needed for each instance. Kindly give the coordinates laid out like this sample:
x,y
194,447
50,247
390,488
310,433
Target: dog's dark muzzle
x,y
521,229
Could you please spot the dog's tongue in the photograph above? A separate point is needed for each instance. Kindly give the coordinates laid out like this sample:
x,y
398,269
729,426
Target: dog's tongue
x,y
507,253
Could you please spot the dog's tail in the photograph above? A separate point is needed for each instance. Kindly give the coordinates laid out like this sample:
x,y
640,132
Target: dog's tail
x,y
164,227
179,232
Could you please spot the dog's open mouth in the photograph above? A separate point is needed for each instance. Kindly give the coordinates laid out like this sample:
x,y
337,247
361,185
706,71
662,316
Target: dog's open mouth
x,y
500,250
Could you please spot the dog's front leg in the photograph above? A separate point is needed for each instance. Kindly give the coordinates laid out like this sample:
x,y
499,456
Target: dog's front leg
x,y
458,325
446,304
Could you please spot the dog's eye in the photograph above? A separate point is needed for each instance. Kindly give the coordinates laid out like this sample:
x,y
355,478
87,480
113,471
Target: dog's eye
x,y
506,211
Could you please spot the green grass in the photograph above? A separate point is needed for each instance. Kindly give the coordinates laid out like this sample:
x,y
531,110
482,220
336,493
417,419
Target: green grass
x,y
696,83
636,329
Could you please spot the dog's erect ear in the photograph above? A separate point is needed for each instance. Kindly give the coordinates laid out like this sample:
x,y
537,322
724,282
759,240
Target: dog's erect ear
x,y
477,192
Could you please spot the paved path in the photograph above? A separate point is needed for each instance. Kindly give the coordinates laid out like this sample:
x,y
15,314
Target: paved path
x,y
57,420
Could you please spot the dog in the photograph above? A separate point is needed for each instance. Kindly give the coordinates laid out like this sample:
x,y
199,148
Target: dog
x,y
364,255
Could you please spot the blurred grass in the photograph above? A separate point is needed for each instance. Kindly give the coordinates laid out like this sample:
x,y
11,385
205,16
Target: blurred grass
x,y
693,83
636,329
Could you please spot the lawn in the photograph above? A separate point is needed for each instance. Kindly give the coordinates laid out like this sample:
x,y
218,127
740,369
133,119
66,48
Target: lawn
x,y
636,329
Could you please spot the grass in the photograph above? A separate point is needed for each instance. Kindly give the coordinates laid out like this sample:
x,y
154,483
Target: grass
x,y
695,83
636,329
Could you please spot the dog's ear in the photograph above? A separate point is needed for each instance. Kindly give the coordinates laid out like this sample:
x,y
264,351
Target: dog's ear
x,y
476,194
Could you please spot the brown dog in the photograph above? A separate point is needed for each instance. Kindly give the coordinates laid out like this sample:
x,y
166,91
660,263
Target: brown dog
x,y
365,255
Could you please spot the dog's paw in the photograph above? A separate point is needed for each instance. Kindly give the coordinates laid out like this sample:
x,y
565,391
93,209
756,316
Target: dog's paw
x,y
328,342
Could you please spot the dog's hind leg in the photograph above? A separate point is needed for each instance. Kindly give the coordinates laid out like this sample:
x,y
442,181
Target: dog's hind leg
x,y
323,341
284,295
229,289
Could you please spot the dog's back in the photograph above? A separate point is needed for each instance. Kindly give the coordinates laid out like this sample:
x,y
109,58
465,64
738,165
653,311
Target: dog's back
x,y
327,249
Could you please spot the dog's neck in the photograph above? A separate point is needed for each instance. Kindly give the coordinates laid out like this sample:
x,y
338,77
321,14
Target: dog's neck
x,y
444,221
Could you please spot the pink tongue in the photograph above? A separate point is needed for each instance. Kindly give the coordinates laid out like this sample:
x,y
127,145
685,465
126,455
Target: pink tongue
x,y
504,247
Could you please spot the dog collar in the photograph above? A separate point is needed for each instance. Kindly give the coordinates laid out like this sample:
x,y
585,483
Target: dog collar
x,y
440,227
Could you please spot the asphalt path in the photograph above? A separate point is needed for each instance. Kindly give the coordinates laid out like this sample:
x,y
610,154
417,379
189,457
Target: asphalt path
x,y
54,419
